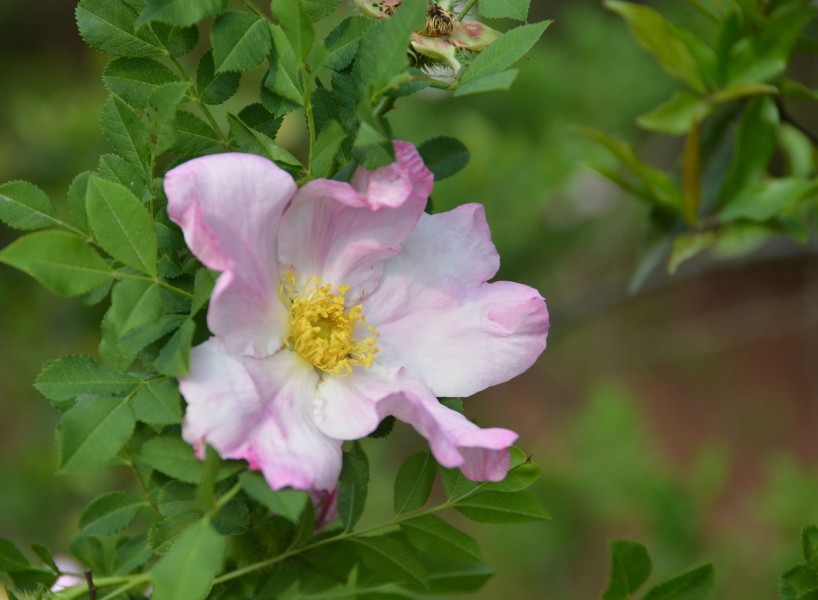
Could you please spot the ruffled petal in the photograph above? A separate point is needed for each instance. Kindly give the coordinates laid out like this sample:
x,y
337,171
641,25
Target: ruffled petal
x,y
229,207
438,318
351,407
342,232
259,410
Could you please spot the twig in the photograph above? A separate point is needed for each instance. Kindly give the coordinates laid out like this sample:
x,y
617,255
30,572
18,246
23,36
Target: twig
x,y
92,589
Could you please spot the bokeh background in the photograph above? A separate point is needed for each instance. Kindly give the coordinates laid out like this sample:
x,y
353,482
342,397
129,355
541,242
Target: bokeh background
x,y
681,415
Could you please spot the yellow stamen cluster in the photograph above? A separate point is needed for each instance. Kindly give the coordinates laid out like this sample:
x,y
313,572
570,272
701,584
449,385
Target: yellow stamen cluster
x,y
322,326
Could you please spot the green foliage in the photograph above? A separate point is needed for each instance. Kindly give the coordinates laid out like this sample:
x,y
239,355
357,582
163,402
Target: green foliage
x,y
110,513
801,582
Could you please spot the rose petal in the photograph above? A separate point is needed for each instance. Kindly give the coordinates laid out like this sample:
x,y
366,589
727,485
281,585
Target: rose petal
x,y
229,207
437,318
341,232
351,407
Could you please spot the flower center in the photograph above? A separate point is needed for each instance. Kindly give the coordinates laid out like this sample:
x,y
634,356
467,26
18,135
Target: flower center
x,y
322,327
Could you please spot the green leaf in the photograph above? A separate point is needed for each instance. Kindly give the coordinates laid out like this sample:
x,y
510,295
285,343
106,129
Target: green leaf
x,y
676,115
662,39
695,584
241,41
767,199
326,147
456,484
444,156
283,79
737,91
135,303
433,535
188,570
505,51
203,284
108,26
110,513
318,9
193,136
391,558
504,9
809,545
630,568
296,25
178,41
11,559
519,477
131,555
500,507
213,88
62,262
115,168
175,458
452,576
382,50
158,403
688,245
76,199
255,142
489,83
177,499
92,432
133,79
174,358
414,481
164,534
44,554
799,583
754,147
352,486
180,12
122,225
25,206
128,133
287,503
161,113
342,42
72,376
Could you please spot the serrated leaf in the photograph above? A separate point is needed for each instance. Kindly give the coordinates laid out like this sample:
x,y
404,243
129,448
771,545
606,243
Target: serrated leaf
x,y
432,535
452,576
342,42
318,9
133,79
444,156
115,168
630,568
25,206
173,457
177,499
799,583
455,484
180,12
162,535
352,486
500,507
282,79
62,262
178,41
161,114
662,39
158,403
122,225
414,481
187,571
193,136
174,358
241,41
255,142
296,25
110,513
287,503
389,557
695,584
520,477
489,83
128,133
214,88
504,9
131,555
92,432
504,51
326,147
382,50
233,518
72,376
135,303
108,26
76,200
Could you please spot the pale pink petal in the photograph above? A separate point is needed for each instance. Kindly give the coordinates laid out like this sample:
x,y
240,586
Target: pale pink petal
x,y
229,207
259,410
342,232
437,318
351,407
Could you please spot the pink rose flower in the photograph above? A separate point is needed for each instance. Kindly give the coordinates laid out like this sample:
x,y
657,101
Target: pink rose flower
x,y
340,304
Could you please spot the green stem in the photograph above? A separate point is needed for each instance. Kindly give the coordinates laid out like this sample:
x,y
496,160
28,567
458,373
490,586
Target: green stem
x,y
256,9
469,5
341,537
223,500
126,586
78,591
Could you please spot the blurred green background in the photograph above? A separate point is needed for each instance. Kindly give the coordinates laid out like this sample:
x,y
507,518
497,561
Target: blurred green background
x,y
682,416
